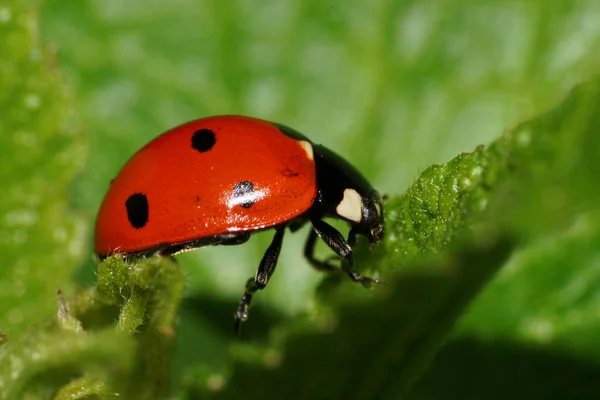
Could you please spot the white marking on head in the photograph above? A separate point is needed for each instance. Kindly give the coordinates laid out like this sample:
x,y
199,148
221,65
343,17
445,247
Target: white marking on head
x,y
307,148
351,206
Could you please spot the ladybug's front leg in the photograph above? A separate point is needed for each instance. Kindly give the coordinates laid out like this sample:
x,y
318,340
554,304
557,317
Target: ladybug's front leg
x,y
258,282
339,245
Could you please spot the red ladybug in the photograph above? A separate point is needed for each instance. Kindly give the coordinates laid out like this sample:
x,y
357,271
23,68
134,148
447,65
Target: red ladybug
x,y
215,181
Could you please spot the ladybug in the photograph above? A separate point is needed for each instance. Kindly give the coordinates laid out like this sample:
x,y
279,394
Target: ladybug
x,y
217,180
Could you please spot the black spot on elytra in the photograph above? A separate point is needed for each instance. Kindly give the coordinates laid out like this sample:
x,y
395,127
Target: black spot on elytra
x,y
137,210
203,140
243,191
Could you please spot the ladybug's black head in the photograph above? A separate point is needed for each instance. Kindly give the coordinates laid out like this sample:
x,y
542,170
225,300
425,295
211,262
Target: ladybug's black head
x,y
343,192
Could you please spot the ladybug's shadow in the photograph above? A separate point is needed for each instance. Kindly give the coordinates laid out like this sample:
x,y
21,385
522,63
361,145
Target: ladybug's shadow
x,y
216,315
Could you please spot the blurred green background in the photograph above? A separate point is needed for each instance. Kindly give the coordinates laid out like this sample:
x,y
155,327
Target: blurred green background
x,y
394,86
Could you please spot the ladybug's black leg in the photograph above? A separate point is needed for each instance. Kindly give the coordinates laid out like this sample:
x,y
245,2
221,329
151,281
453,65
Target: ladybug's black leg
x,y
352,237
265,270
340,246
309,253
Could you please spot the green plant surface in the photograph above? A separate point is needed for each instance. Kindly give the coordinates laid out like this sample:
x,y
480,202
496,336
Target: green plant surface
x,y
37,365
489,265
41,241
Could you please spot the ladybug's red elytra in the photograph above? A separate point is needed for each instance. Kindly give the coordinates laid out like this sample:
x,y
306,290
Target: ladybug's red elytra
x,y
217,180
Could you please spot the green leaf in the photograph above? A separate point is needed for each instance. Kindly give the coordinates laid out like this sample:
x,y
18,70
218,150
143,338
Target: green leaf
x,y
35,365
370,347
81,388
540,313
148,295
40,152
